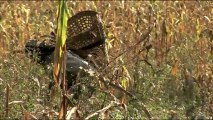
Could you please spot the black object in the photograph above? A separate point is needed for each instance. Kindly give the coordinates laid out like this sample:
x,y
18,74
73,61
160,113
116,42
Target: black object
x,y
43,50
45,53
85,36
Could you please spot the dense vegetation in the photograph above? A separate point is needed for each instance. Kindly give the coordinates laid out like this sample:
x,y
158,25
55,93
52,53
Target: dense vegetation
x,y
170,72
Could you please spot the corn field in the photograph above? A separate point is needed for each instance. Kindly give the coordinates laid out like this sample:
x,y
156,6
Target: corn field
x,y
160,52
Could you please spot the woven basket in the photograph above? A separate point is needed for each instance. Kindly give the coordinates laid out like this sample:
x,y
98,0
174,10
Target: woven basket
x,y
84,31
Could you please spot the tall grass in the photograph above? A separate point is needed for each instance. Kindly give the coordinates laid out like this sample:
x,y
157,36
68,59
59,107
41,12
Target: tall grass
x,y
173,76
60,53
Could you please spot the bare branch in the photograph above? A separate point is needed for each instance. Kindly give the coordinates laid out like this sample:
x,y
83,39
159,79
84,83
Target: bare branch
x,y
112,104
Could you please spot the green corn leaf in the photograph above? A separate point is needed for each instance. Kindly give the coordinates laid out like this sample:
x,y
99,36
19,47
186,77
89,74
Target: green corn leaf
x,y
60,38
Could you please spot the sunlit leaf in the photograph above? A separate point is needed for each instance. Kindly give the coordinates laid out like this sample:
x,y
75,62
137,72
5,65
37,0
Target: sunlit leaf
x,y
60,38
60,47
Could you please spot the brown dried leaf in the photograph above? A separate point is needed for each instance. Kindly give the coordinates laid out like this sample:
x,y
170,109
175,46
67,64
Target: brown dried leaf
x,y
175,68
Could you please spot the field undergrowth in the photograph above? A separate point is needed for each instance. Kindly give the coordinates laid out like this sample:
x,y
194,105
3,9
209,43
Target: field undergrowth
x,y
170,72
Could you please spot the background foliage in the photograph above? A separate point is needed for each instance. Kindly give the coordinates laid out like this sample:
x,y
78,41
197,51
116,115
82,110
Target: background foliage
x,y
171,72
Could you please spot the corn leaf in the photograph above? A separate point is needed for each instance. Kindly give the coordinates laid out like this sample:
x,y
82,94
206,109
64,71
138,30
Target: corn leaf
x,y
60,38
